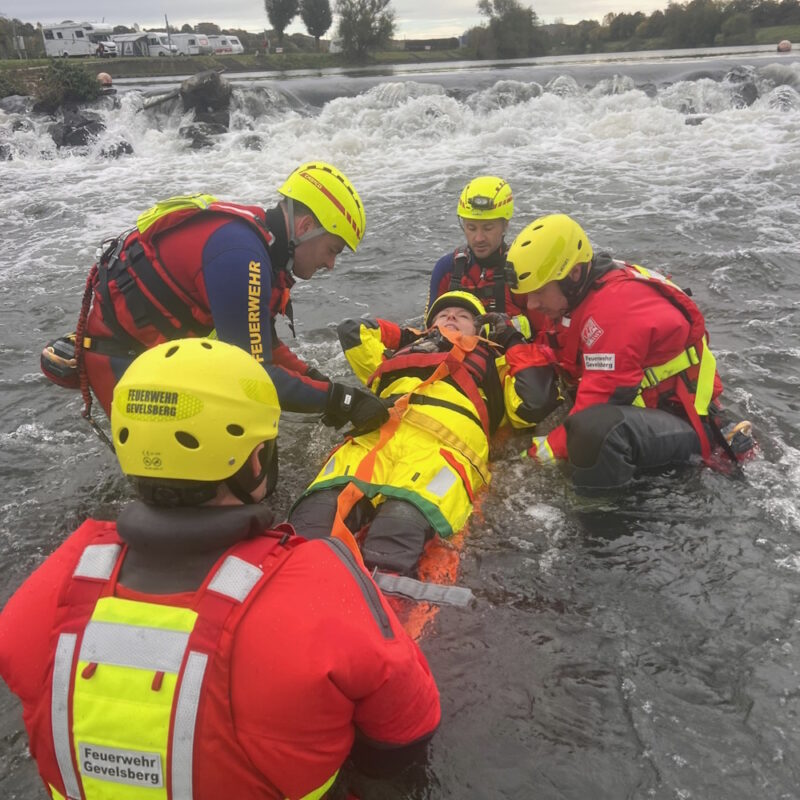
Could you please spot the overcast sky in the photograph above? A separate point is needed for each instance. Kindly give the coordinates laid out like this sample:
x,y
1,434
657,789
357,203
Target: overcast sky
x,y
414,18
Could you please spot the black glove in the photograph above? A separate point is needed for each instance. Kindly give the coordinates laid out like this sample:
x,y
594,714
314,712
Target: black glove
x,y
356,405
500,329
408,335
316,375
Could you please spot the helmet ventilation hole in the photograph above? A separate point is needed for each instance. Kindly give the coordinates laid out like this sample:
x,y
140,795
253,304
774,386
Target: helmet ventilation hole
x,y
171,352
235,430
538,227
206,345
580,243
187,440
122,436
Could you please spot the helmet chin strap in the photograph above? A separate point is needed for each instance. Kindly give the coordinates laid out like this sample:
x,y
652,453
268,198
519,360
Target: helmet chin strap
x,y
296,240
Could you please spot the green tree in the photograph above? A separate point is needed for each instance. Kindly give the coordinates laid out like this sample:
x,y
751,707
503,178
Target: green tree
x,y
207,28
64,81
280,14
317,17
652,27
364,25
514,29
737,29
187,28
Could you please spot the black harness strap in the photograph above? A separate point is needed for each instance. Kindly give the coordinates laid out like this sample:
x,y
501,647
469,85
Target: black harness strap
x,y
158,288
460,259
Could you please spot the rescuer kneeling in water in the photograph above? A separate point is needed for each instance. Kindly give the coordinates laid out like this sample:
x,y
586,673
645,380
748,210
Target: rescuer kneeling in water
x,y
195,264
190,647
417,475
634,348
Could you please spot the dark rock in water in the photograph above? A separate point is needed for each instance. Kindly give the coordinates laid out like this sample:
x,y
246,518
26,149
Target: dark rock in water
x,y
206,91
21,125
214,118
201,134
650,89
745,95
76,128
695,119
253,142
5,153
687,107
121,148
741,73
16,104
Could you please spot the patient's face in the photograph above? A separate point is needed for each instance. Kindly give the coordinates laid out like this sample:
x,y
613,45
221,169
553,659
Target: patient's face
x,y
455,318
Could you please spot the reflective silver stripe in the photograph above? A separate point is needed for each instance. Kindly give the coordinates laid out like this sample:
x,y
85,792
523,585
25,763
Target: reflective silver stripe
x,y
97,561
185,721
235,578
329,466
438,593
59,712
441,482
133,646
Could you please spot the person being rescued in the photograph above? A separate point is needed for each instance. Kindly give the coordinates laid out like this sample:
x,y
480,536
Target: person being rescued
x,y
633,347
418,474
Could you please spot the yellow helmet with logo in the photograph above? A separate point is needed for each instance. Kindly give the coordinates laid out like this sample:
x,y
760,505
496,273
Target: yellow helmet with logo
x,y
486,197
544,251
456,298
192,410
330,197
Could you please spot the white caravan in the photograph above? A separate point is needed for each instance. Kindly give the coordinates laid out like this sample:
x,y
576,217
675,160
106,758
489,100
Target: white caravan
x,y
70,38
192,44
144,43
222,43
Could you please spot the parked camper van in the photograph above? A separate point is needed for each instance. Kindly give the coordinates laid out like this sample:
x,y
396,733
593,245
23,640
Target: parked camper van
x,y
222,43
78,39
192,44
144,43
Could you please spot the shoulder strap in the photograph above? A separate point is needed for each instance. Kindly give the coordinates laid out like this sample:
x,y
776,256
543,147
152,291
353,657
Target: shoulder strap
x,y
460,260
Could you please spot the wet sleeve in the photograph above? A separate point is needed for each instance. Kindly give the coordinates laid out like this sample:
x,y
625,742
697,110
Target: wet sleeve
x,y
440,279
365,342
238,278
530,387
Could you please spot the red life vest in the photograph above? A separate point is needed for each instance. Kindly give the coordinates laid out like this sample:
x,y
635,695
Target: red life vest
x,y
212,764
142,304
477,369
486,283
679,381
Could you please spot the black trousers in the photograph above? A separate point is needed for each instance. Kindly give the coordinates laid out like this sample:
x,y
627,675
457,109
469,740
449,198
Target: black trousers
x,y
397,530
608,445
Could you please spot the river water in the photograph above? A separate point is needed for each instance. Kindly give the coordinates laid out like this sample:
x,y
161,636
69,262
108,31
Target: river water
x,y
644,646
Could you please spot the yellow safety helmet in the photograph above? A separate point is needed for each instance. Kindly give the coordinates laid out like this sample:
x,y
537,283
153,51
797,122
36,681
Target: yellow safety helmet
x,y
457,298
192,410
486,197
331,198
544,251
